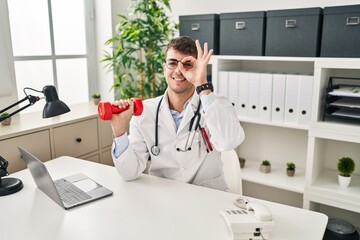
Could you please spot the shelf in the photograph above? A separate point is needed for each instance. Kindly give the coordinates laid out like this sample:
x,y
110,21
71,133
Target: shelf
x,y
338,63
276,178
257,121
315,148
336,131
326,190
263,58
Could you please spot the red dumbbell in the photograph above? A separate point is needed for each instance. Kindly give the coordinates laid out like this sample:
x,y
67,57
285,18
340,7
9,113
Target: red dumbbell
x,y
106,109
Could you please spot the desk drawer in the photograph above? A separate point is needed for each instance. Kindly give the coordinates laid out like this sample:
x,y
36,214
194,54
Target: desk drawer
x,y
76,139
106,134
37,144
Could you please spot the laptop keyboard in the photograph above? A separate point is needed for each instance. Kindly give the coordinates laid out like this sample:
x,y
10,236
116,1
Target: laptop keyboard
x,y
69,193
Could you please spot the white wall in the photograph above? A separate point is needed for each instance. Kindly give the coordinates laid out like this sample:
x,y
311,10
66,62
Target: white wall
x,y
189,7
103,29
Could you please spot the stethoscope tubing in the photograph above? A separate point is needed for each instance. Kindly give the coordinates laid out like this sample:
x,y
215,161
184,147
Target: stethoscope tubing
x,y
155,149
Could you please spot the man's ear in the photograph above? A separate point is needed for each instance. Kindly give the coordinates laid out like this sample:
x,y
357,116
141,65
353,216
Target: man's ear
x,y
164,69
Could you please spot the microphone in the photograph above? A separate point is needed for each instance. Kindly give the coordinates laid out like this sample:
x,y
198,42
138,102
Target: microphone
x,y
106,109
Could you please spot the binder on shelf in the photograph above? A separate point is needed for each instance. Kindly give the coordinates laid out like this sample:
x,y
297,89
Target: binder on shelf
x,y
243,97
223,83
254,95
292,99
278,98
305,99
266,80
233,88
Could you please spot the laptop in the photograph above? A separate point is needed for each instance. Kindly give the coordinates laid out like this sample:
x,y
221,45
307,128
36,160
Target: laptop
x,y
67,192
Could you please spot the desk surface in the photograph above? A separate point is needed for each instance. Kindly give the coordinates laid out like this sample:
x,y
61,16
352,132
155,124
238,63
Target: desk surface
x,y
148,208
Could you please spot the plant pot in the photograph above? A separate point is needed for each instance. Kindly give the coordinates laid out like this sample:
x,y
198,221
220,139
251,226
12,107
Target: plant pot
x,y
6,121
96,101
344,182
242,162
290,172
265,168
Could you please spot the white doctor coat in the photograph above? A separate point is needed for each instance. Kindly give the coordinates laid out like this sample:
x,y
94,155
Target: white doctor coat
x,y
197,166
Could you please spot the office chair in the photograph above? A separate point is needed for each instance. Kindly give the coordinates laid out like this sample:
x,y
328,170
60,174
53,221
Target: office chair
x,y
232,171
146,171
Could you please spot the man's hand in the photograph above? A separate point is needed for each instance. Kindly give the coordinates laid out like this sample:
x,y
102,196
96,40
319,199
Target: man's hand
x,y
120,122
197,73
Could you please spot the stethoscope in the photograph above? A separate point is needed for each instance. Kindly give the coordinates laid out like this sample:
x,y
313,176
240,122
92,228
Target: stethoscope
x,y
155,149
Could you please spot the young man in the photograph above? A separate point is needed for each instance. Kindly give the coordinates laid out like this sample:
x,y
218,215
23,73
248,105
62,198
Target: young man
x,y
183,131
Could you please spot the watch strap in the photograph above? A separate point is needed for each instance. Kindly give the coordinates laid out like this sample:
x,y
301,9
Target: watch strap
x,y
205,86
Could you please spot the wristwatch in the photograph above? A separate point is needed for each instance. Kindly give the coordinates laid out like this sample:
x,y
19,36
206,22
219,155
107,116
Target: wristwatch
x,y
205,86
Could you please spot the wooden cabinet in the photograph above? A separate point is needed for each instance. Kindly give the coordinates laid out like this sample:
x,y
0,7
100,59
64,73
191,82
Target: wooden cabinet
x,y
105,134
76,139
79,133
314,147
37,143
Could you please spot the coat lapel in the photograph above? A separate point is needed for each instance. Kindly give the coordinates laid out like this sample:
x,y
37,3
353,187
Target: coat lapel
x,y
165,118
189,113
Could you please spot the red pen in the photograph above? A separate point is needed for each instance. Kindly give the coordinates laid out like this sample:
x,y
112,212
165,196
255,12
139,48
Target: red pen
x,y
203,131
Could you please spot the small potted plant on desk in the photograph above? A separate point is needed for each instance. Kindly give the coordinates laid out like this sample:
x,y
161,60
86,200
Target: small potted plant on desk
x,y
346,167
290,170
6,121
96,98
265,166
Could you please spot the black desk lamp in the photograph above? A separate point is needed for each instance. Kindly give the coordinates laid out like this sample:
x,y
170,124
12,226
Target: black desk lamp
x,y
53,107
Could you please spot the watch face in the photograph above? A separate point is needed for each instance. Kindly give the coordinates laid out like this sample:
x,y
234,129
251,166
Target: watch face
x,y
340,226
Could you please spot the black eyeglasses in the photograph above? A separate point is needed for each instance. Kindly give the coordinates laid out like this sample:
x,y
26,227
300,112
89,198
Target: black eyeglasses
x,y
173,63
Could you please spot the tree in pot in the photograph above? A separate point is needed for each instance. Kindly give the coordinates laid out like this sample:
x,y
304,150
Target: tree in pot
x,y
290,169
346,167
265,166
138,49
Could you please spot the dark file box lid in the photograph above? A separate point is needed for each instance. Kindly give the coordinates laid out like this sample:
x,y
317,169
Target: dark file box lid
x,y
199,17
257,14
294,12
342,9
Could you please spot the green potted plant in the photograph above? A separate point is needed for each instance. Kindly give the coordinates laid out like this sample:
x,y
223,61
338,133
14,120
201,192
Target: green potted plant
x,y
242,162
346,167
6,121
290,169
96,98
265,166
138,49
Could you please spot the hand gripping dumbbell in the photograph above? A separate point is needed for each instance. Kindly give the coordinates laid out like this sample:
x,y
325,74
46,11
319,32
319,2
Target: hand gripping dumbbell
x,y
106,109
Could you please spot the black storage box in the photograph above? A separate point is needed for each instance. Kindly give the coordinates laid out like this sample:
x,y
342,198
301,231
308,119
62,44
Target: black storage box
x,y
293,32
341,32
204,27
242,33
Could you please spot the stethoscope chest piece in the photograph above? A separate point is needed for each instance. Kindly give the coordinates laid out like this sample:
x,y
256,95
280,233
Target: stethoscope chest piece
x,y
155,150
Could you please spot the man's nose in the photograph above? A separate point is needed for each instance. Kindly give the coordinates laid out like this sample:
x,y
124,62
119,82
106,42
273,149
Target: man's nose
x,y
177,69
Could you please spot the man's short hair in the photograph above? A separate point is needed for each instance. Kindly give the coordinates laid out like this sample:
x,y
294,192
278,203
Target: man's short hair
x,y
183,44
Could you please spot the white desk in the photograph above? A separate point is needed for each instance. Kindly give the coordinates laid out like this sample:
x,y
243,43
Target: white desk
x,y
148,208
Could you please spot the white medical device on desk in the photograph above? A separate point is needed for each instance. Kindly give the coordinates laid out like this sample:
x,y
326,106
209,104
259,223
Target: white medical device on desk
x,y
250,221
